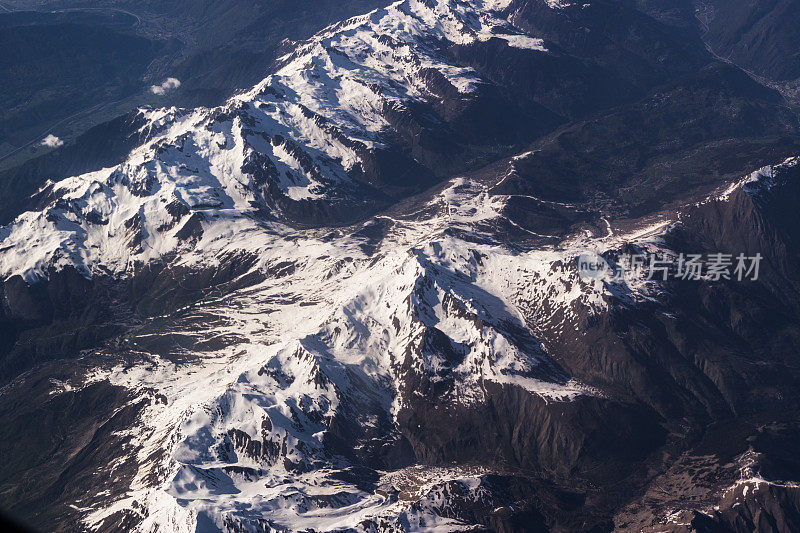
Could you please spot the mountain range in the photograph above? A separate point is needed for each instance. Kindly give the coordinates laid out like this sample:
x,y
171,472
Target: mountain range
x,y
349,298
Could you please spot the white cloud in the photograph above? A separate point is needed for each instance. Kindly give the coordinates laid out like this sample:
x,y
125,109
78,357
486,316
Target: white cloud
x,y
52,141
166,86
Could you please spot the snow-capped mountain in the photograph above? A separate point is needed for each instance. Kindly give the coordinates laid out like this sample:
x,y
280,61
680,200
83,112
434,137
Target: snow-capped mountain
x,y
313,387
291,312
285,393
314,137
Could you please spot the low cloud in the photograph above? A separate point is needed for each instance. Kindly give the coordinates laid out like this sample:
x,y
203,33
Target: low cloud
x,y
166,86
51,141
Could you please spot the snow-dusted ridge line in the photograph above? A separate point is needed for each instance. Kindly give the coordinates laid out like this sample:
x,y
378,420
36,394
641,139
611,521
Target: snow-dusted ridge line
x,y
295,137
757,181
563,4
